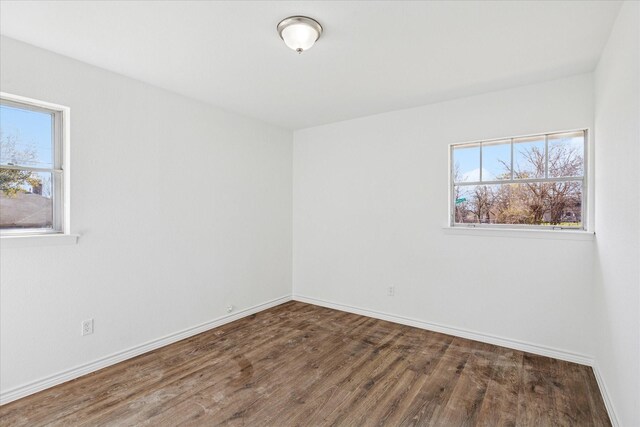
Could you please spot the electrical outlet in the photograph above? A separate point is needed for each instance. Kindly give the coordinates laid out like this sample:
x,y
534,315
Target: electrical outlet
x,y
391,291
229,308
87,327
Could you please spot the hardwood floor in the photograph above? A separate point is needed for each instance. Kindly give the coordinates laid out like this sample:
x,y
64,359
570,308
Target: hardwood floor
x,y
303,365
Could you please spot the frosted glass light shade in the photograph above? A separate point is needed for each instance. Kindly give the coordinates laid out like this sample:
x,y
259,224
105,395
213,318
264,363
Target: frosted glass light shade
x,y
299,37
299,32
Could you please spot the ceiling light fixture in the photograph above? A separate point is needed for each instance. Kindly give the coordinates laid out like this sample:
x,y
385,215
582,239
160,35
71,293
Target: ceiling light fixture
x,y
299,32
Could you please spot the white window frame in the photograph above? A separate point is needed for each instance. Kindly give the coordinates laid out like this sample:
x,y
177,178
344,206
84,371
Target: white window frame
x,y
585,207
60,171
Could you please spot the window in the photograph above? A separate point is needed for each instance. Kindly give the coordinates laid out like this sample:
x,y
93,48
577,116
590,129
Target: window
x,y
33,171
526,182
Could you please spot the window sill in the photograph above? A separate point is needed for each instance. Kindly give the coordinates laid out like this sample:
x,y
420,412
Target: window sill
x,y
520,233
38,240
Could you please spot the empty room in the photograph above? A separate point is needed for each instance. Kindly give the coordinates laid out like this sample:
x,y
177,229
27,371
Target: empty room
x,y
319,213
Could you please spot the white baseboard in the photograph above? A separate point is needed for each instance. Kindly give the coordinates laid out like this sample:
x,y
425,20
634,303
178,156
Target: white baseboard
x,y
59,378
604,391
457,332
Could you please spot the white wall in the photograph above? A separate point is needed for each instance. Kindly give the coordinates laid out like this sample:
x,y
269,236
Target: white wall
x,y
370,201
183,209
617,298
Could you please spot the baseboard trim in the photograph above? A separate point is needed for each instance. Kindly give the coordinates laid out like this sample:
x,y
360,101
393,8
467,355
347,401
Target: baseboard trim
x,y
604,391
59,378
457,332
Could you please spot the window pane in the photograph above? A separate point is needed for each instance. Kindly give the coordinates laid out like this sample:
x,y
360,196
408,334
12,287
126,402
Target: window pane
x,y
496,160
474,204
25,199
466,163
552,203
564,204
528,157
25,137
566,154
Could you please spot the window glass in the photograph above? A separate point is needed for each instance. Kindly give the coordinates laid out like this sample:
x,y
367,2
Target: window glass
x,y
474,203
496,160
466,163
26,137
529,157
566,154
29,204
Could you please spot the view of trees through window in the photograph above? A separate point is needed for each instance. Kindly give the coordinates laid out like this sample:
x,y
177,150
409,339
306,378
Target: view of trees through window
x,y
529,181
27,170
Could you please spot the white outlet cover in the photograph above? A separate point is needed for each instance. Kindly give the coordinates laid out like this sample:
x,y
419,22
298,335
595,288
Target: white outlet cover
x,y
87,327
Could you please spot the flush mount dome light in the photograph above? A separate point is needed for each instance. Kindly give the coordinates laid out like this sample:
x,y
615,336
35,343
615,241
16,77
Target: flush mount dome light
x,y
299,32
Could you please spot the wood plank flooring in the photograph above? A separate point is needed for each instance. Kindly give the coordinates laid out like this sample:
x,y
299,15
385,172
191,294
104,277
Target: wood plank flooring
x,y
303,365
